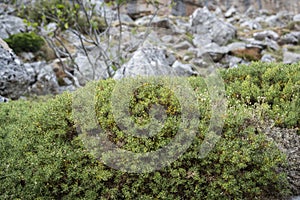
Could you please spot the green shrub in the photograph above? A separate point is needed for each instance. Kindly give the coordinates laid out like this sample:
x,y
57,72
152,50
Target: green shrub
x,y
241,166
278,85
43,157
25,42
40,158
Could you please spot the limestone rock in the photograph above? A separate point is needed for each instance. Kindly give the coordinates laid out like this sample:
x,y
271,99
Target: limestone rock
x,y
14,79
204,22
266,34
290,38
45,81
232,11
184,69
268,58
281,19
3,99
290,57
251,24
232,61
10,25
147,61
296,18
90,67
213,50
183,45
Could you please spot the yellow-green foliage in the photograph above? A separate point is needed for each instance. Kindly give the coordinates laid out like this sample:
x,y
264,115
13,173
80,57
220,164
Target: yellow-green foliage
x,y
274,85
25,42
42,156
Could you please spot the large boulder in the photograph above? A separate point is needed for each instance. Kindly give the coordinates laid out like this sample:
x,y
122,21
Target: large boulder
x,y
153,61
14,78
150,61
10,25
203,22
6,8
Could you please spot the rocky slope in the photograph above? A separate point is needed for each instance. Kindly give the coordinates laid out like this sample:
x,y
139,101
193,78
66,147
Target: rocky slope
x,y
187,7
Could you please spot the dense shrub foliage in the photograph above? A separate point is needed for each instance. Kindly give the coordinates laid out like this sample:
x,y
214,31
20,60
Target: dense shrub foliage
x,y
43,157
25,42
275,86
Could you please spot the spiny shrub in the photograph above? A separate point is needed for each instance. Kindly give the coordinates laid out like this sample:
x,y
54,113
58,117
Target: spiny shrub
x,y
25,42
42,155
275,85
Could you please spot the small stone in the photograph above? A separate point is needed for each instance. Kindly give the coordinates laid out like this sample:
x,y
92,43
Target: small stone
x,y
268,58
3,99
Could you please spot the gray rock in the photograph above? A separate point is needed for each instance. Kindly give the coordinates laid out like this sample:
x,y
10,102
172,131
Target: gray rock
x,y
150,61
45,81
268,58
181,26
212,50
27,56
201,40
290,38
10,25
157,21
233,20
183,45
91,68
272,44
258,43
236,46
167,39
281,19
230,12
126,18
296,18
289,57
184,69
266,34
49,28
251,12
231,61
14,79
251,24
295,198
2,8
171,58
218,12
6,8
204,22
3,99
